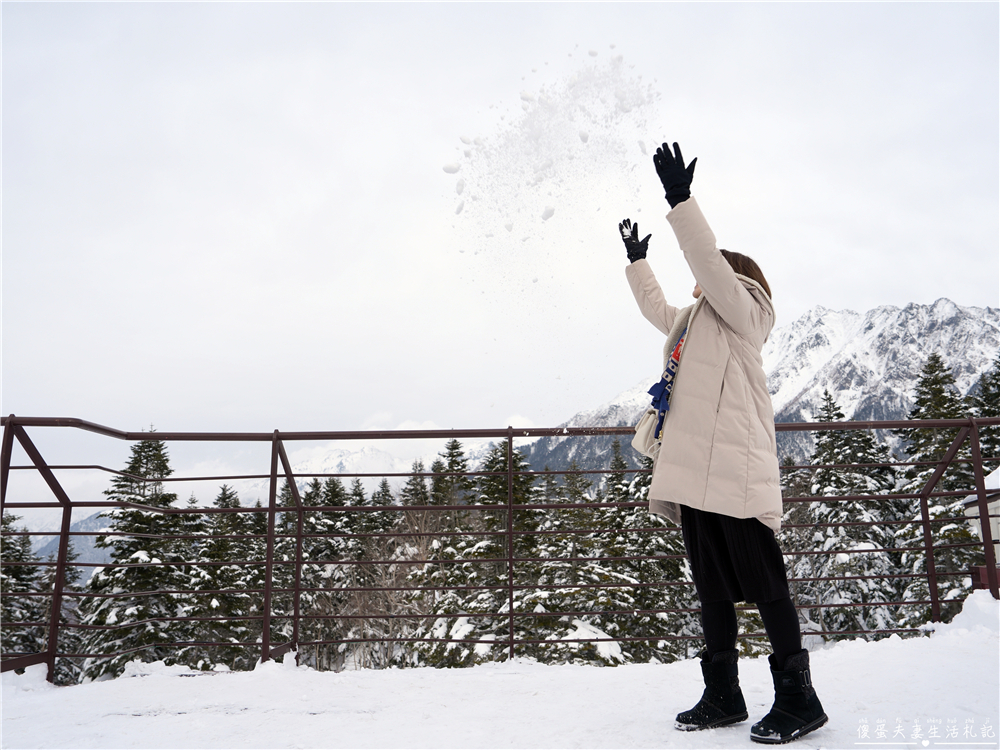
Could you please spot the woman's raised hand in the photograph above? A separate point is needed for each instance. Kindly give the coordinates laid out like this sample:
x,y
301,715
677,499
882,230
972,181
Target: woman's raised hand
x,y
635,247
676,178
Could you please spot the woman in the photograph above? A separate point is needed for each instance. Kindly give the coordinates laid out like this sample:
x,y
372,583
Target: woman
x,y
716,469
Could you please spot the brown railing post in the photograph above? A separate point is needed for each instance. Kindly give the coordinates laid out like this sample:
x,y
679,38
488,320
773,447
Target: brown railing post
x,y
5,453
925,494
272,495
510,538
290,478
67,518
932,588
57,591
984,510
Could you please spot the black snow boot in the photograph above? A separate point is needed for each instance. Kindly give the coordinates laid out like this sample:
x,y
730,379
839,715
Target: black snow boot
x,y
722,702
796,710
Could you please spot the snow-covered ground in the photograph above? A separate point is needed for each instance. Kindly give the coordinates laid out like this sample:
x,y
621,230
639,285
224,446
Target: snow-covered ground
x,y
929,692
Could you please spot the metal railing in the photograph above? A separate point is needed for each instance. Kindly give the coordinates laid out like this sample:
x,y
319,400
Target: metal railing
x,y
15,429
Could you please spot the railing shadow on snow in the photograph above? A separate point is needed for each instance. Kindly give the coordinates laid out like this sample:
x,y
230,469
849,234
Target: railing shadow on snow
x,y
15,429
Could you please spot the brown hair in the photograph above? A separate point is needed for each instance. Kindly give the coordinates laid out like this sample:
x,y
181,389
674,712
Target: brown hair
x,y
746,266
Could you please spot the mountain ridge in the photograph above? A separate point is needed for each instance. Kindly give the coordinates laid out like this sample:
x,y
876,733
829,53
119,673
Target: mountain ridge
x,y
870,362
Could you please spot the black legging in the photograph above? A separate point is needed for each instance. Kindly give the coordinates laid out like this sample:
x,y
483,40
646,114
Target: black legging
x,y
718,620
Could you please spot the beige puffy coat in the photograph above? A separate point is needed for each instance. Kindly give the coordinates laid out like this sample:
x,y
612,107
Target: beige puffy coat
x,y
719,452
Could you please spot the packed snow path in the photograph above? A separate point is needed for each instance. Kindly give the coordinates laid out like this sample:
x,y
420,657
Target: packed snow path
x,y
941,691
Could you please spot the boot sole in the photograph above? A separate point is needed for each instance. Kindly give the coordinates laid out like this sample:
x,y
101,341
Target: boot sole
x,y
723,722
806,729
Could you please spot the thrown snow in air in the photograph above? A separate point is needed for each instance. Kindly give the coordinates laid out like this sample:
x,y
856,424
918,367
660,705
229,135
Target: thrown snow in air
x,y
948,682
565,148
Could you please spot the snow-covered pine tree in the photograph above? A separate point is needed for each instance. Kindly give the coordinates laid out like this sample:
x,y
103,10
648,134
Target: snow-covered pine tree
x,y
567,549
186,548
20,575
375,521
936,397
422,524
132,614
416,491
451,488
457,487
985,402
326,545
227,586
363,610
852,551
484,566
331,575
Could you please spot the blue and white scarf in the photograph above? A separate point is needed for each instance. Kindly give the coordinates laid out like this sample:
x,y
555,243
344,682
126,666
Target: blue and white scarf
x,y
661,391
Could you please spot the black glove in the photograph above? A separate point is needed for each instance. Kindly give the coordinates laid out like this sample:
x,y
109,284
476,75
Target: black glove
x,y
675,177
635,247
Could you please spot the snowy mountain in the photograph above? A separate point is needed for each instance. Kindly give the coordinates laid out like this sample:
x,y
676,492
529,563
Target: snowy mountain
x,y
869,362
324,460
83,545
556,453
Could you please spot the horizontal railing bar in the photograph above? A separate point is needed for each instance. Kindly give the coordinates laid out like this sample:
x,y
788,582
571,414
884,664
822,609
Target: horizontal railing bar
x,y
137,623
296,436
850,498
456,433
883,549
450,615
833,524
349,475
449,561
525,587
532,472
889,465
125,595
435,534
500,508
22,661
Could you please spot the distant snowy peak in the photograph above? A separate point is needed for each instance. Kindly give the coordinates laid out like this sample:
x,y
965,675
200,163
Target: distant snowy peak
x,y
795,354
620,410
325,460
365,460
863,360
870,363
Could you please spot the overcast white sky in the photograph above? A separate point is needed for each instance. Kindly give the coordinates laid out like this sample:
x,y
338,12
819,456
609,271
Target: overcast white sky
x,y
237,216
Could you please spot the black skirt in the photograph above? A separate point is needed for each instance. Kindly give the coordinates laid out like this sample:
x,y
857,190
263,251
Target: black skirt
x,y
733,559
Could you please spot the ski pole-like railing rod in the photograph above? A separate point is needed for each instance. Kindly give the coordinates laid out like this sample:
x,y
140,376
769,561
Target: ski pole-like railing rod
x,y
14,432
